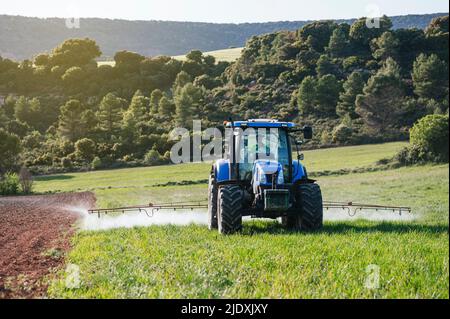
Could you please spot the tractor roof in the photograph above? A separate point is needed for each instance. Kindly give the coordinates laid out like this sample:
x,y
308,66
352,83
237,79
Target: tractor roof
x,y
261,123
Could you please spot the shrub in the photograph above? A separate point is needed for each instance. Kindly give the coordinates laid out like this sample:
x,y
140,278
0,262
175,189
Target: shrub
x,y
26,180
430,134
342,134
96,163
66,162
153,158
85,149
9,184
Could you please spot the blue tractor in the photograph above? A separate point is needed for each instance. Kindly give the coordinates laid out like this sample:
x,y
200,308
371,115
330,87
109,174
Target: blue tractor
x,y
256,180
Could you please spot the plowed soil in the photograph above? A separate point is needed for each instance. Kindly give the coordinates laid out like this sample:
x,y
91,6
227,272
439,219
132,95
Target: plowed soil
x,y
34,237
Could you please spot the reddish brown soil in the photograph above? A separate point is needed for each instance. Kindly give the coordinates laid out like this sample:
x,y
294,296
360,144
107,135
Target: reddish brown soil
x,y
34,236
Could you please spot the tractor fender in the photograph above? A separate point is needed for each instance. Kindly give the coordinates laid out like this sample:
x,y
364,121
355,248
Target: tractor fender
x,y
298,171
222,170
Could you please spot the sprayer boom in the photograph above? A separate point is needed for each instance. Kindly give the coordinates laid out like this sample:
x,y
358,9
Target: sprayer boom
x,y
350,207
149,209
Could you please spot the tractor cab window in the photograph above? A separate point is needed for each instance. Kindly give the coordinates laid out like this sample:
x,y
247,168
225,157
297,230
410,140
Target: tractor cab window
x,y
263,144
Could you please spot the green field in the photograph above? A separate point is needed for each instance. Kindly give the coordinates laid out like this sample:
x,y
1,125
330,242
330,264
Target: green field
x,y
227,55
266,260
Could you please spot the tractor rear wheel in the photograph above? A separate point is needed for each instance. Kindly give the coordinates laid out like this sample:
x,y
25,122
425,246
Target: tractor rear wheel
x,y
310,209
212,204
229,209
309,198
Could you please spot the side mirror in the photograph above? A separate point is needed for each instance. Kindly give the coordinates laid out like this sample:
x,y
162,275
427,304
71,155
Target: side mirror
x,y
307,132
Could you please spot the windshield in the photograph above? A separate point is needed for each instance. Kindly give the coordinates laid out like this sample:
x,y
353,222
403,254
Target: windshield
x,y
262,144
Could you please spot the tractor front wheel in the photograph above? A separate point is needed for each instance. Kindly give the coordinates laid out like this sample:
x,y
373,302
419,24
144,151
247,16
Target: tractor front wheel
x,y
309,209
212,203
229,209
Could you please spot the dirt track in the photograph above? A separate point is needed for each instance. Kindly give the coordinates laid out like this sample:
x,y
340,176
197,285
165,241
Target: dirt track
x,y
34,235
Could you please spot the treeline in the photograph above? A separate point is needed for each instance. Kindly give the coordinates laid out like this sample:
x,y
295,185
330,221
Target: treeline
x,y
353,84
148,38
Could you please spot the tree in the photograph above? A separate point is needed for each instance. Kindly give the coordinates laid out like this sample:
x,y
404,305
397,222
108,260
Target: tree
x,y
75,52
134,117
109,114
362,35
181,80
385,46
352,88
70,120
10,149
325,66
128,61
42,60
438,26
195,56
307,95
85,149
327,95
3,119
207,82
430,77
338,44
187,103
73,78
317,34
380,105
22,110
431,135
166,108
155,98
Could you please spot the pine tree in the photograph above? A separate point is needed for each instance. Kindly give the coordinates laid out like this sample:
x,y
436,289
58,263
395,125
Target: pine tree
x,y
352,87
327,95
325,66
187,103
380,105
430,76
338,43
385,46
110,114
154,101
307,95
166,108
70,121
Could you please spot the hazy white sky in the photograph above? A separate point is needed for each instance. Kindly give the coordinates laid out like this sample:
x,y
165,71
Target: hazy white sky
x,y
219,11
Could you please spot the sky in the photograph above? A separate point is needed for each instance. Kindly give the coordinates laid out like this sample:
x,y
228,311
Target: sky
x,y
223,11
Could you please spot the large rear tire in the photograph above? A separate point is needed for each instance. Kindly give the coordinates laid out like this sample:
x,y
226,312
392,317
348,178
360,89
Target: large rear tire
x,y
229,209
309,206
212,204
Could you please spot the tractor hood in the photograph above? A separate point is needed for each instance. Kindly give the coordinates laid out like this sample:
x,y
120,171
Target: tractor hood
x,y
263,171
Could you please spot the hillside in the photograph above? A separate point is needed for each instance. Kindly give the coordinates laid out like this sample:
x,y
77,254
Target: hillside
x,y
23,37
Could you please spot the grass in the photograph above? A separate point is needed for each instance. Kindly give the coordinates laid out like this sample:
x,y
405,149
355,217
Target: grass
x,y
227,55
266,260
263,261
